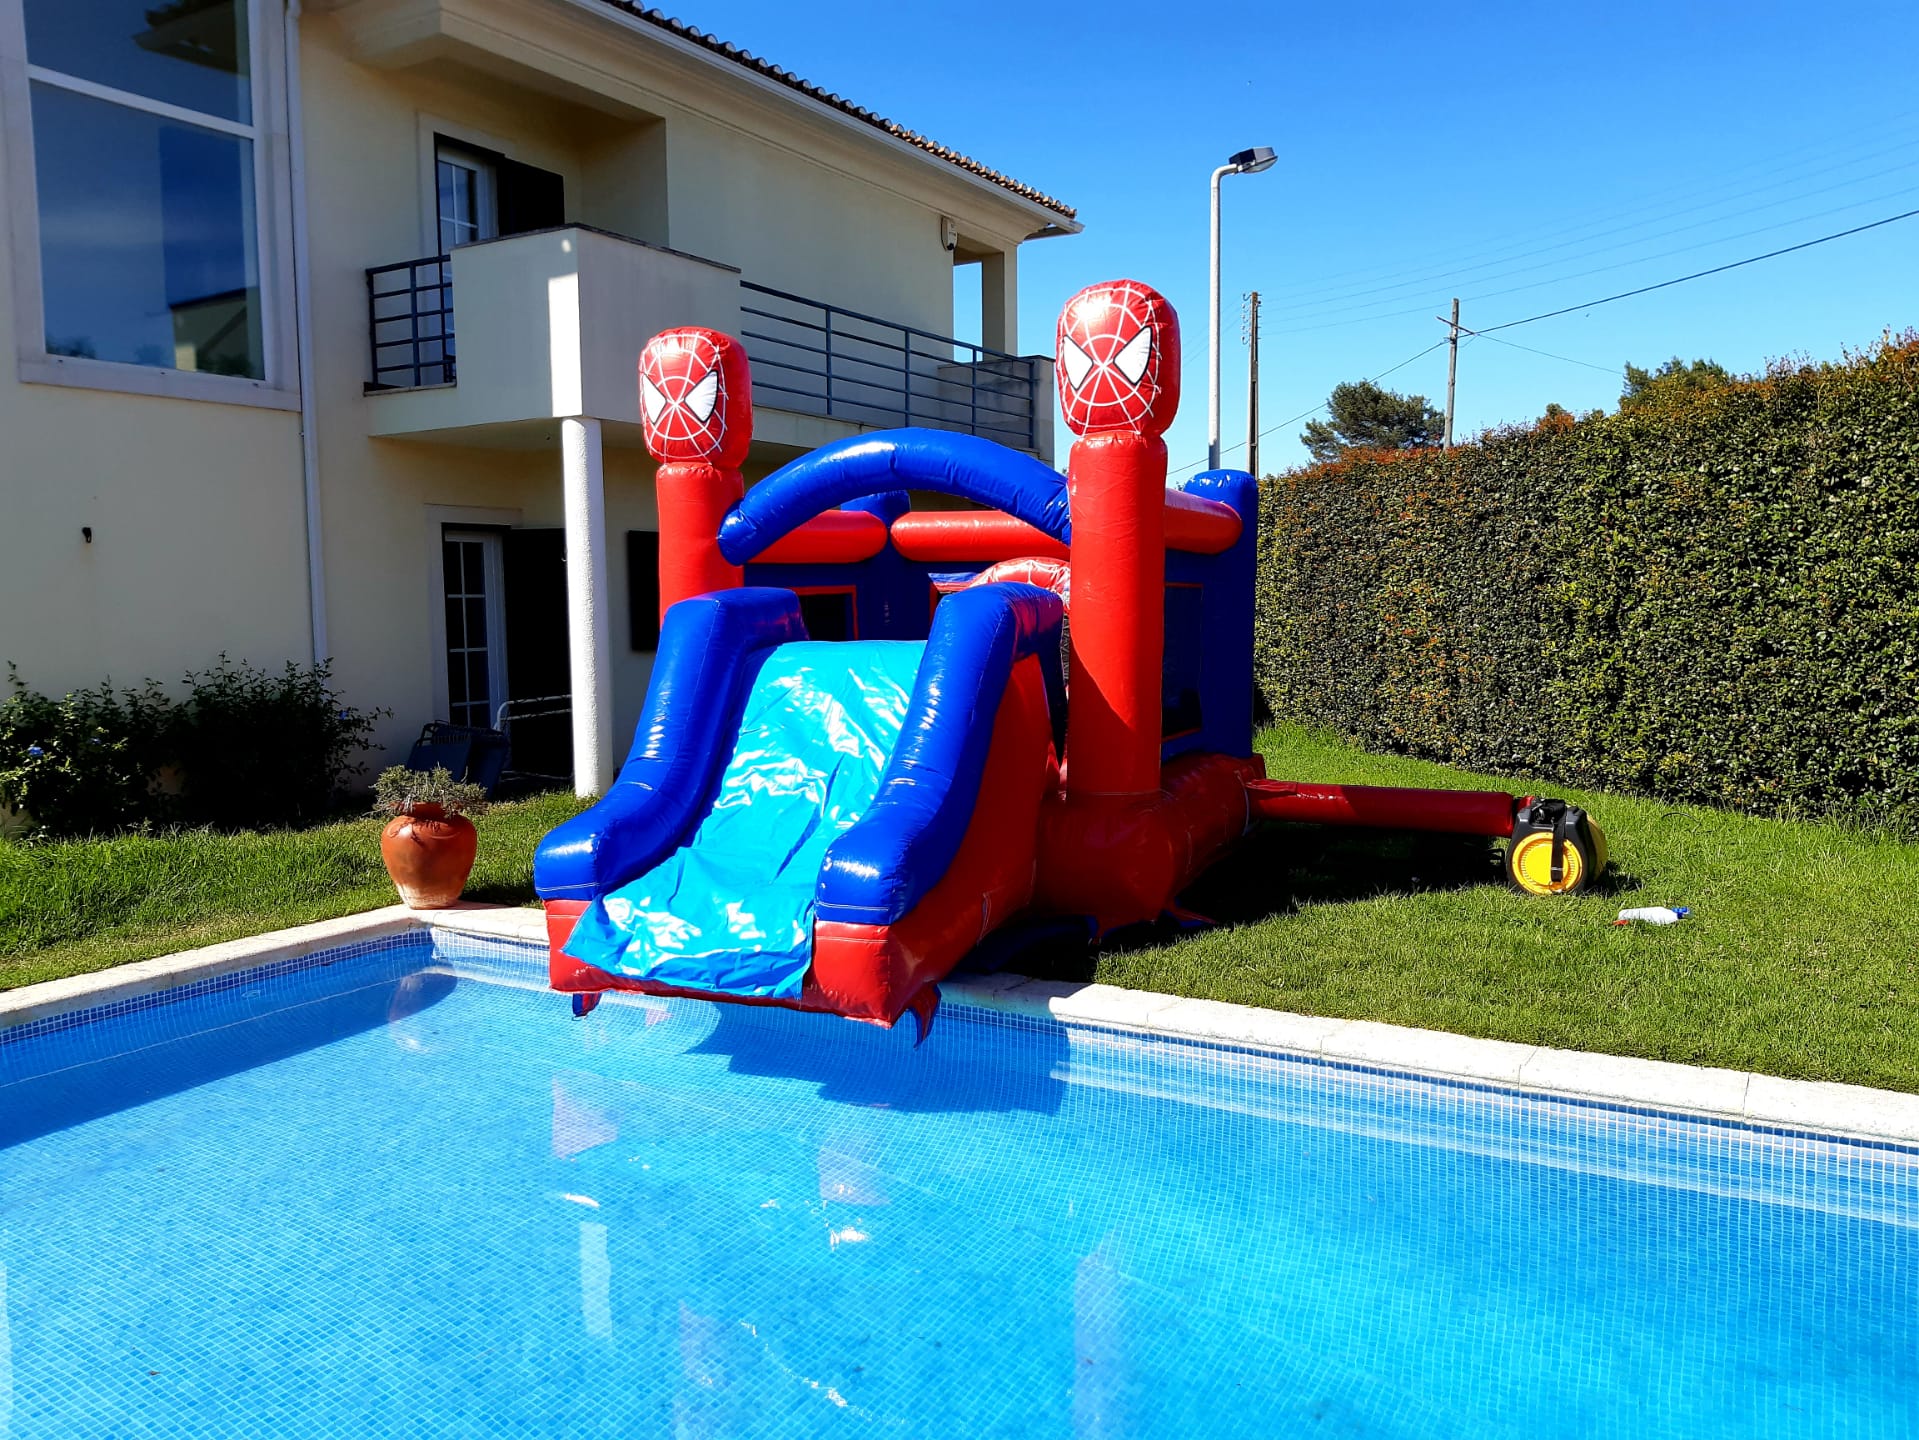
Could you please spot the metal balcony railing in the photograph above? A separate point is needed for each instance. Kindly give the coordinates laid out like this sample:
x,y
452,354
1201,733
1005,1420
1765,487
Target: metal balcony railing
x,y
821,359
808,356
410,323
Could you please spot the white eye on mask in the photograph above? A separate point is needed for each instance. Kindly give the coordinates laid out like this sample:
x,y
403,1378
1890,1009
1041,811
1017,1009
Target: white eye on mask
x,y
651,400
1133,355
704,396
1077,362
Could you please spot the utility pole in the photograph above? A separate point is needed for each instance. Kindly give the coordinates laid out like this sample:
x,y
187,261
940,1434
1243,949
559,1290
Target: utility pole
x,y
1452,371
1252,384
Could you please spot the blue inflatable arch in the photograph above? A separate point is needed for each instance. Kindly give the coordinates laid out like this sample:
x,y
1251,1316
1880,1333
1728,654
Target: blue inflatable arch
x,y
848,470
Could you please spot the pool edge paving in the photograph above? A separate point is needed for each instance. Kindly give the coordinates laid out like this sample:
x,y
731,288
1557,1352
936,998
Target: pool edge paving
x,y
1815,1107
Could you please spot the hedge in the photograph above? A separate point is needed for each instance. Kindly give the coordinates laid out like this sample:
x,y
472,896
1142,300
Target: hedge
x,y
1713,599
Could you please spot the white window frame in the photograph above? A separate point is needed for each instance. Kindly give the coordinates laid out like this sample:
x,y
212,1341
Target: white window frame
x,y
442,521
493,551
431,131
267,132
486,199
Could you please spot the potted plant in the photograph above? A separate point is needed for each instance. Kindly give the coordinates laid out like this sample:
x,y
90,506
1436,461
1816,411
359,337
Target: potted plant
x,y
430,843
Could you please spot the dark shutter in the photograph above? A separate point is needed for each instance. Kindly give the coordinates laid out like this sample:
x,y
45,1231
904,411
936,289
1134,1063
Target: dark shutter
x,y
529,198
537,662
643,588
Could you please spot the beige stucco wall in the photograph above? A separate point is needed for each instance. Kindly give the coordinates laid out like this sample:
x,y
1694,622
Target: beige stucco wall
x,y
198,533
197,508
369,132
796,225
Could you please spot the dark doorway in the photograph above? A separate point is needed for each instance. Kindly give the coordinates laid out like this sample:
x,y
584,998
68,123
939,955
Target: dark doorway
x,y
643,590
536,653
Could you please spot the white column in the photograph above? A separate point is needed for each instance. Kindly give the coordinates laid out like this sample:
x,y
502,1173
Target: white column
x,y
999,302
586,606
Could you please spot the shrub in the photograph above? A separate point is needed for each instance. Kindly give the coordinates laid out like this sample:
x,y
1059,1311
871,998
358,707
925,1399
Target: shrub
x,y
1714,597
251,749
260,749
86,761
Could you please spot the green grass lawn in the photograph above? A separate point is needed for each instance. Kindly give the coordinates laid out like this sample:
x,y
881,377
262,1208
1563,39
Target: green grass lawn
x,y
1801,956
74,906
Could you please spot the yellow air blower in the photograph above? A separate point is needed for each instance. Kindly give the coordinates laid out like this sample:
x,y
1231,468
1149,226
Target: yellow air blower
x,y
1557,849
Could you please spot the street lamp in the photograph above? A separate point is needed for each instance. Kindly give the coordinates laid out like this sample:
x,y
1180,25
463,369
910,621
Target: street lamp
x,y
1245,162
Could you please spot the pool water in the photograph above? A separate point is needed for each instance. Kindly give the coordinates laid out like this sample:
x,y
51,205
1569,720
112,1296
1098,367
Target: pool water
x,y
405,1193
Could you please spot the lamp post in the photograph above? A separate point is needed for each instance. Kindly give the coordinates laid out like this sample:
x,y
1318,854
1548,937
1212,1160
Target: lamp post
x,y
1245,162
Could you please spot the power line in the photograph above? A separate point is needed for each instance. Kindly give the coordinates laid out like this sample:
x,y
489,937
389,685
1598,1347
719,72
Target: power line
x,y
1487,333
1783,175
1602,369
1594,270
1304,414
1349,300
1701,274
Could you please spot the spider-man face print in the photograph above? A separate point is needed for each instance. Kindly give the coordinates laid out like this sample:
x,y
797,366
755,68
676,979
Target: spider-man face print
x,y
696,397
1118,359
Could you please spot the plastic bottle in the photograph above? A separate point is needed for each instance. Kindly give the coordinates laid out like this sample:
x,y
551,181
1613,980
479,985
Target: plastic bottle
x,y
1653,915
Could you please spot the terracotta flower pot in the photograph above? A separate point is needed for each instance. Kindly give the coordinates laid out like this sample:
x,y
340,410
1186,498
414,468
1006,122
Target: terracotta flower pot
x,y
429,854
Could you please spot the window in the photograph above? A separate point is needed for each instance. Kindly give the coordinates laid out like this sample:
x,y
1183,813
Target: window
x,y
475,626
147,159
467,207
480,194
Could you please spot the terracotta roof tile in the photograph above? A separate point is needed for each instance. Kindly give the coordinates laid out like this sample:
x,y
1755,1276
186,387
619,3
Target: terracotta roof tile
x,y
807,88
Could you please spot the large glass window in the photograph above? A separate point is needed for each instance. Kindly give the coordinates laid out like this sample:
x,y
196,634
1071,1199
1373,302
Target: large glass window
x,y
145,152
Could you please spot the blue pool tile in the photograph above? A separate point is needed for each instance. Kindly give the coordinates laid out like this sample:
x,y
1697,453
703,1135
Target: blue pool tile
x,y
396,1189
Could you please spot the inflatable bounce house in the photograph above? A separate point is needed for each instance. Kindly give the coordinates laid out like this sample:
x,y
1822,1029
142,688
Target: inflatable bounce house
x,y
1034,711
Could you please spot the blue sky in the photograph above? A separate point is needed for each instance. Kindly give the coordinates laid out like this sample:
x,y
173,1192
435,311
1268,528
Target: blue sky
x,y
1425,152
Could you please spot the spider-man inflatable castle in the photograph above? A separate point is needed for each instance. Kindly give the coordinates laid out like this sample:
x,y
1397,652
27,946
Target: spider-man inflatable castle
x,y
835,823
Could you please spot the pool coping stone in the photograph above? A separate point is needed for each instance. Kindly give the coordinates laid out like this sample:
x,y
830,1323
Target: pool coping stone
x,y
1854,1111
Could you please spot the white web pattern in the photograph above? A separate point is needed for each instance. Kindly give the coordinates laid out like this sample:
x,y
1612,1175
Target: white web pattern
x,y
1109,358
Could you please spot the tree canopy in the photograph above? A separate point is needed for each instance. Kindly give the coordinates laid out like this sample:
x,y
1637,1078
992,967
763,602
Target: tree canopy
x,y
1674,380
1361,415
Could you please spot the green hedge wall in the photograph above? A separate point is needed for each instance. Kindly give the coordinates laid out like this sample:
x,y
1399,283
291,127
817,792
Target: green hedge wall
x,y
1714,600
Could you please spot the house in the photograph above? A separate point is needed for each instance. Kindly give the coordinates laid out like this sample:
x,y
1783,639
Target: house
x,y
323,324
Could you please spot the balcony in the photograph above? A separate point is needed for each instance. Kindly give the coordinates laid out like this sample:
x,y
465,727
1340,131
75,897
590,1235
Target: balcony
x,y
551,325
816,359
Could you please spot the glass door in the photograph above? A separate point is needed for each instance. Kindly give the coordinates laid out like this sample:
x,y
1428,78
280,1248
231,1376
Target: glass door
x,y
475,626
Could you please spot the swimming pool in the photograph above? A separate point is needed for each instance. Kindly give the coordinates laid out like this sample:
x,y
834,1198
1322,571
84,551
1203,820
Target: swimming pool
x,y
398,1190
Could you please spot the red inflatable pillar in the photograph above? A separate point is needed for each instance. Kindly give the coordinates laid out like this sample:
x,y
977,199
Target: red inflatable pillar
x,y
1118,389
696,408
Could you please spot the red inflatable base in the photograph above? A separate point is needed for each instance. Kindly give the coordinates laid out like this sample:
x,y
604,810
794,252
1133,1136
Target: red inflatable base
x,y
576,977
1123,859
